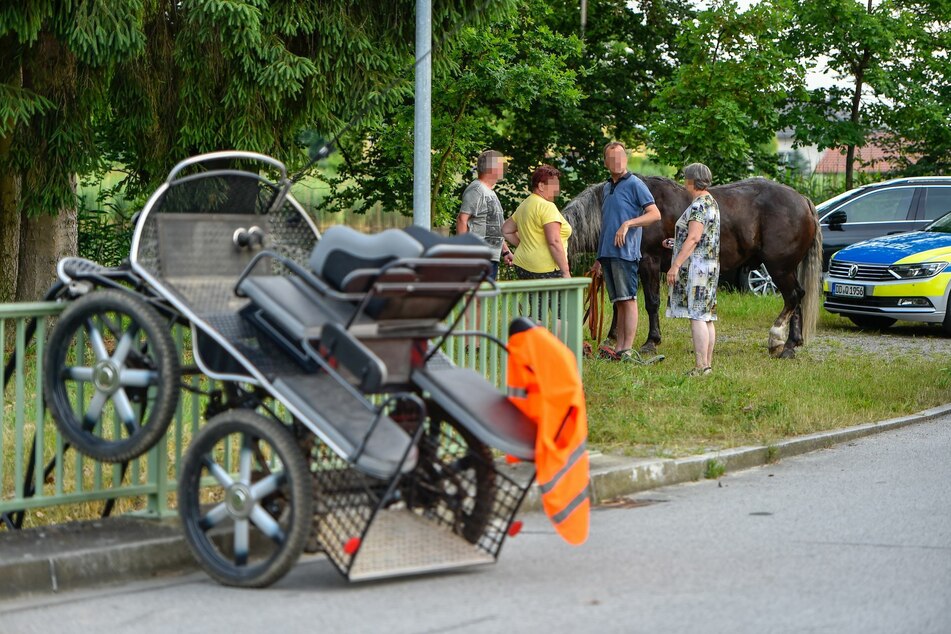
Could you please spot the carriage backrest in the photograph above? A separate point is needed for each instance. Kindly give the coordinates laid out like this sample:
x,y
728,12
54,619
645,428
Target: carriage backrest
x,y
199,231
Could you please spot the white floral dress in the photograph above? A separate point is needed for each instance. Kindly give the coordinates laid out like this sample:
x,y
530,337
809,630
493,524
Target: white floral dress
x,y
694,294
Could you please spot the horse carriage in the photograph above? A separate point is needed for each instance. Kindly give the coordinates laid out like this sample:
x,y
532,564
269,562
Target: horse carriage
x,y
335,423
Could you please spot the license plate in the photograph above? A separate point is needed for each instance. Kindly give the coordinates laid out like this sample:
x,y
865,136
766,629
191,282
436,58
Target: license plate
x,y
848,290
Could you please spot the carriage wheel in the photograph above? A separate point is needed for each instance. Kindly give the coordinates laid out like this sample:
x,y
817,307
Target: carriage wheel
x,y
454,479
245,499
112,376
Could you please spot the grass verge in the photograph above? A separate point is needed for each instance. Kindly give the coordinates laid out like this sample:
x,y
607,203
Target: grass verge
x,y
842,378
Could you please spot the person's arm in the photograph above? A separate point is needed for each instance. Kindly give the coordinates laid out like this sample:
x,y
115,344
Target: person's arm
x,y
694,233
510,232
462,223
650,216
553,237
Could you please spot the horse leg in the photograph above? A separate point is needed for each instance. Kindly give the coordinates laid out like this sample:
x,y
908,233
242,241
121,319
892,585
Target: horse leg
x,y
788,325
650,281
795,327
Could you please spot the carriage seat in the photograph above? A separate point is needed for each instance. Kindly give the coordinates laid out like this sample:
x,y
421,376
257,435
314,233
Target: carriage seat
x,y
351,262
468,398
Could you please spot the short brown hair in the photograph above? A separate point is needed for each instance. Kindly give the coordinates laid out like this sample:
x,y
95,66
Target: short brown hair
x,y
611,145
486,159
543,174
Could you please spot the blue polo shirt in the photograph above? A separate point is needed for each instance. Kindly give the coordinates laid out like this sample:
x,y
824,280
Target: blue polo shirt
x,y
623,201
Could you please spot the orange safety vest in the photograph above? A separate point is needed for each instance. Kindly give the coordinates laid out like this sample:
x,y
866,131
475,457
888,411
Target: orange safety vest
x,y
544,383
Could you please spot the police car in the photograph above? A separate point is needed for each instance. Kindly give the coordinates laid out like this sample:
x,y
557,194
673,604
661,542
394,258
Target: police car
x,y
898,277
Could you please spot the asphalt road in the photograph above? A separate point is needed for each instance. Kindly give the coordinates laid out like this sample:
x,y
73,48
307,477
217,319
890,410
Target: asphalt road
x,y
853,539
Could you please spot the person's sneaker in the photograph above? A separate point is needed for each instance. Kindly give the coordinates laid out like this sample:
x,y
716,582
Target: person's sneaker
x,y
633,356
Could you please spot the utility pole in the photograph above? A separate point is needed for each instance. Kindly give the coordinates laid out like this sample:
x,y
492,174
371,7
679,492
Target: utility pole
x,y
422,129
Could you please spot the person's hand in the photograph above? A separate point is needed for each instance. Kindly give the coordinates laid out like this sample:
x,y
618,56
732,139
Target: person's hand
x,y
620,235
566,274
672,275
668,243
596,268
508,258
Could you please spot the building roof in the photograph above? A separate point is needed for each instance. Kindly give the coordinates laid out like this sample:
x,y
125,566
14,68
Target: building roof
x,y
870,158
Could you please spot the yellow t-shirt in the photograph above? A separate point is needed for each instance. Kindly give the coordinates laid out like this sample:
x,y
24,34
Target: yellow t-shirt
x,y
532,215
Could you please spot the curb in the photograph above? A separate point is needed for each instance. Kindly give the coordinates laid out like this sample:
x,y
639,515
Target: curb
x,y
615,476
124,549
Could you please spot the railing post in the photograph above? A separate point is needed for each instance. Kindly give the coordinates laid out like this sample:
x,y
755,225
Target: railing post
x,y
574,329
157,499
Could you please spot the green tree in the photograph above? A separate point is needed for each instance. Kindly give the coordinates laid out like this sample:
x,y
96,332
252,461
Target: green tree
x,y
529,86
916,105
628,49
857,41
722,105
145,83
483,81
58,58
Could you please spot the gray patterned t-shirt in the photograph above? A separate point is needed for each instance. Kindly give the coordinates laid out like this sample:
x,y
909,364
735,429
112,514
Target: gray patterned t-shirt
x,y
485,215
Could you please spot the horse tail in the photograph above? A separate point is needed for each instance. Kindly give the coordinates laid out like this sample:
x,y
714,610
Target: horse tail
x,y
810,276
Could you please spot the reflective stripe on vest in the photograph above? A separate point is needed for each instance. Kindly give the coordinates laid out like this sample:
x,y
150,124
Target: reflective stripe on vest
x,y
562,515
546,487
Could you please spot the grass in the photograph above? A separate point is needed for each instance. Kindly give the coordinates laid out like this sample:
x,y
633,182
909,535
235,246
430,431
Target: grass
x,y
751,398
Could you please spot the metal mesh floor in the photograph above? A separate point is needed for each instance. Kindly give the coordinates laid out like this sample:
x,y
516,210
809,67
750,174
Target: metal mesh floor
x,y
401,542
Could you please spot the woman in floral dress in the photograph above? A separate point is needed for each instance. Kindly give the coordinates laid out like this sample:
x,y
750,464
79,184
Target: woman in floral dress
x,y
695,267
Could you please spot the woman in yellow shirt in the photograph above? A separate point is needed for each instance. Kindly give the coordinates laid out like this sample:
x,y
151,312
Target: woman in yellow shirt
x,y
539,230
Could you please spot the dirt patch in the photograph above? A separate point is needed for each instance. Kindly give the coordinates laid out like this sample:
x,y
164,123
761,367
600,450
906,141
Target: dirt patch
x,y
923,340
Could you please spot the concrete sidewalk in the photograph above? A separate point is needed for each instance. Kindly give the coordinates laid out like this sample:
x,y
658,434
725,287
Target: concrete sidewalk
x,y
117,550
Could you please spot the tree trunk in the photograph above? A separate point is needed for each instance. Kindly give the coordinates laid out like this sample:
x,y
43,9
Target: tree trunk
x,y
44,240
9,226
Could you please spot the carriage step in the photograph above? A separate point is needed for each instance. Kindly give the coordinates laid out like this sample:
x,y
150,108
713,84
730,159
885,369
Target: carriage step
x,y
400,542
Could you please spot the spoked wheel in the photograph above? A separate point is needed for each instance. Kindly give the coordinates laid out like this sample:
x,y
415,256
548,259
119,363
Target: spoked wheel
x,y
454,479
759,282
112,376
249,523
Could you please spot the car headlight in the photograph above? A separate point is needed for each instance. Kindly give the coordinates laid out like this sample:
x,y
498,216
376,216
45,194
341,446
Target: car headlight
x,y
917,271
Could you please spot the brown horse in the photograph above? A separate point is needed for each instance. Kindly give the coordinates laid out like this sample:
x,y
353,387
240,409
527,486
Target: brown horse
x,y
761,222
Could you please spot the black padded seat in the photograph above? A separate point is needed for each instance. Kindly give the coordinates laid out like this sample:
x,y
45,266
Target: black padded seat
x,y
294,305
476,404
467,245
343,250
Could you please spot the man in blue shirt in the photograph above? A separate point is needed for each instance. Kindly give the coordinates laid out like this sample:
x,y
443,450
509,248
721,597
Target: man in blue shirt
x,y
627,206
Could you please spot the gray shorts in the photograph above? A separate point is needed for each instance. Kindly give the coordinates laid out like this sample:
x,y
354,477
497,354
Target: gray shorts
x,y
620,276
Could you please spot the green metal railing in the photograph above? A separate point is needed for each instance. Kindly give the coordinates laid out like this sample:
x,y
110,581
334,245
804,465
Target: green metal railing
x,y
28,435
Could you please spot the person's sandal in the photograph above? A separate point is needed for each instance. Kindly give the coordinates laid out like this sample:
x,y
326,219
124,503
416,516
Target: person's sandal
x,y
707,370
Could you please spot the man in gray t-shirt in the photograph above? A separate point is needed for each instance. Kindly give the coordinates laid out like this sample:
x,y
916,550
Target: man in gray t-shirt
x,y
481,211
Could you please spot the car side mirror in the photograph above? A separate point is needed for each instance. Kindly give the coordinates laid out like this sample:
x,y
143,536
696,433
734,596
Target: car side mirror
x,y
838,217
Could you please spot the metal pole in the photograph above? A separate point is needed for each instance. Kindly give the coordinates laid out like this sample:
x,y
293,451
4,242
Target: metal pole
x,y
422,131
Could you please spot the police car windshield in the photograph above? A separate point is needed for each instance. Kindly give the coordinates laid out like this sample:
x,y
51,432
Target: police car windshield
x,y
941,225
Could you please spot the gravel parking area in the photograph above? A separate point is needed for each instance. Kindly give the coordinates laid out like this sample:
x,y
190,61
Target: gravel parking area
x,y
901,339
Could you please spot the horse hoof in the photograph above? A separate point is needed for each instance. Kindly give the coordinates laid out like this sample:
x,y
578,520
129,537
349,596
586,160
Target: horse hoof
x,y
776,351
788,353
648,348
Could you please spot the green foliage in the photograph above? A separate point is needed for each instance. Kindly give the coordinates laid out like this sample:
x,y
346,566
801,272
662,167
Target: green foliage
x,y
714,470
57,65
487,78
917,90
721,107
894,54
